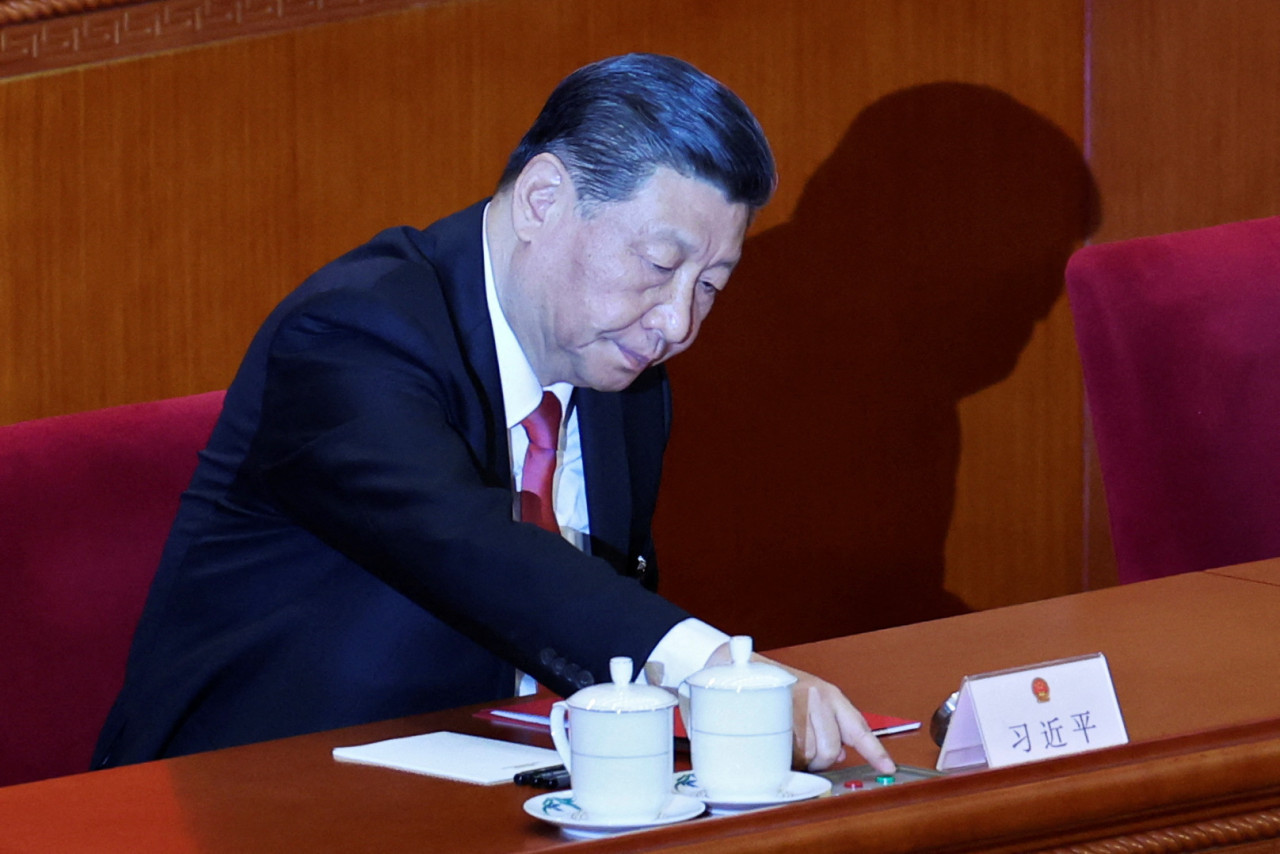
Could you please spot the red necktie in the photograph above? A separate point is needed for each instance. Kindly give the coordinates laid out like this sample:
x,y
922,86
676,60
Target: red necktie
x,y
543,427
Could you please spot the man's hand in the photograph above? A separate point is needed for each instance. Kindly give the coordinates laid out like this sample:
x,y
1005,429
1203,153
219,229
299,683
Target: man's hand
x,y
824,722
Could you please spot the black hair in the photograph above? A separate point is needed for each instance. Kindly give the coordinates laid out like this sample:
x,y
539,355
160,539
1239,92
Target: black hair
x,y
614,122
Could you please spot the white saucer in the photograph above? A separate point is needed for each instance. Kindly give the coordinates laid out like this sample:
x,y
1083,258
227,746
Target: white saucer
x,y
559,809
798,787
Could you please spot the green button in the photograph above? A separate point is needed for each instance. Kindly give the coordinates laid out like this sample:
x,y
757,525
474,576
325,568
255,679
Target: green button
x,y
885,780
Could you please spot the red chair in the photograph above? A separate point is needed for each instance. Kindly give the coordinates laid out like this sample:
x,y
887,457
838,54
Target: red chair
x,y
1179,338
86,501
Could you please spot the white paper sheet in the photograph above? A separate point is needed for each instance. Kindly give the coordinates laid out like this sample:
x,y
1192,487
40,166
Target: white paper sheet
x,y
452,755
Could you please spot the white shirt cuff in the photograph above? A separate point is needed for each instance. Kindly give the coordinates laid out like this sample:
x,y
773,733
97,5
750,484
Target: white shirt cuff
x,y
682,652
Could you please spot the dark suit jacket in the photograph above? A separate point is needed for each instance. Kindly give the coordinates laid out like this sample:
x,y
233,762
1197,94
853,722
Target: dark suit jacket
x,y
346,550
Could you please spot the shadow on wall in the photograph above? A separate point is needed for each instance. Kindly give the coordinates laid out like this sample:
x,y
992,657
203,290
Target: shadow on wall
x,y
811,476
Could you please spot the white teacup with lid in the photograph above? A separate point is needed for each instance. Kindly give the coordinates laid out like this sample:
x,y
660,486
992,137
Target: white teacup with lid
x,y
617,746
739,723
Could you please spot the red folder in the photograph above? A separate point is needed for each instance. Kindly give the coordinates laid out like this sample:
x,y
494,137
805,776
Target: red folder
x,y
536,712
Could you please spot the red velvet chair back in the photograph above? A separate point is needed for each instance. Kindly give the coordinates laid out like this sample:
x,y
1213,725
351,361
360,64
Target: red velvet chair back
x,y
86,502
1179,337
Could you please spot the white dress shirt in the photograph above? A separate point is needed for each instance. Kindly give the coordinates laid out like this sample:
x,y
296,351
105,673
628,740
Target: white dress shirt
x,y
687,646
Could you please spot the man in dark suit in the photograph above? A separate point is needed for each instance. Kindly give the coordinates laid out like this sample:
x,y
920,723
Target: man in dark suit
x,y
351,549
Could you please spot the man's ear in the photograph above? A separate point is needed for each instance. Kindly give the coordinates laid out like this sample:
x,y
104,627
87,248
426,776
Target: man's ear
x,y
542,192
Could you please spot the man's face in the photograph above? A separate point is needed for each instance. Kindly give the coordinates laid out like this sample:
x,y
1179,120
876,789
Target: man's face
x,y
628,285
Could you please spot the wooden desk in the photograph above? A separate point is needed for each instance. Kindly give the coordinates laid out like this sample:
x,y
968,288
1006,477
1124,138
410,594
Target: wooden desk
x,y
1195,659
1263,571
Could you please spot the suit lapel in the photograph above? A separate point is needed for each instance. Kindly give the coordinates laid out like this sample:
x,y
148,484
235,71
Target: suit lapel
x,y
604,466
454,246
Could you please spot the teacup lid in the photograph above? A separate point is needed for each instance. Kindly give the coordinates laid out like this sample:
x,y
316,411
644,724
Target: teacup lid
x,y
621,695
743,674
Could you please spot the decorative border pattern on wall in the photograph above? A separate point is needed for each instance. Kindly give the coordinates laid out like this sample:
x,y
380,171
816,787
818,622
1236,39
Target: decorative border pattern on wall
x,y
17,11
43,35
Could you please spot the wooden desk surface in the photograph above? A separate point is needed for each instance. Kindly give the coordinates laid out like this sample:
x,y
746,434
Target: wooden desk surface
x,y
1194,658
1263,571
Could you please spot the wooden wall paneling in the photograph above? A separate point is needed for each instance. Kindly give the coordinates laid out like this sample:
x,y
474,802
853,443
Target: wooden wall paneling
x,y
926,456
197,168
1100,567
1185,113
39,36
41,267
164,203
381,134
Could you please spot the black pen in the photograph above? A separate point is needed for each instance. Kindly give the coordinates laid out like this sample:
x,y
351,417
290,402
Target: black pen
x,y
558,779
524,778
552,777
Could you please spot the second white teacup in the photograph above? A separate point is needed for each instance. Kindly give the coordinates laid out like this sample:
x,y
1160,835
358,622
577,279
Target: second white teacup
x,y
618,747
739,723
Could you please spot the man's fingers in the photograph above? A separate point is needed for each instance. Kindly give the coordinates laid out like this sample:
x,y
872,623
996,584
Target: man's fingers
x,y
804,743
872,750
855,732
823,723
835,723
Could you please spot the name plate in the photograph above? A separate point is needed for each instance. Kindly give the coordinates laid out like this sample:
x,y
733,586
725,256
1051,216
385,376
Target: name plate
x,y
1010,717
